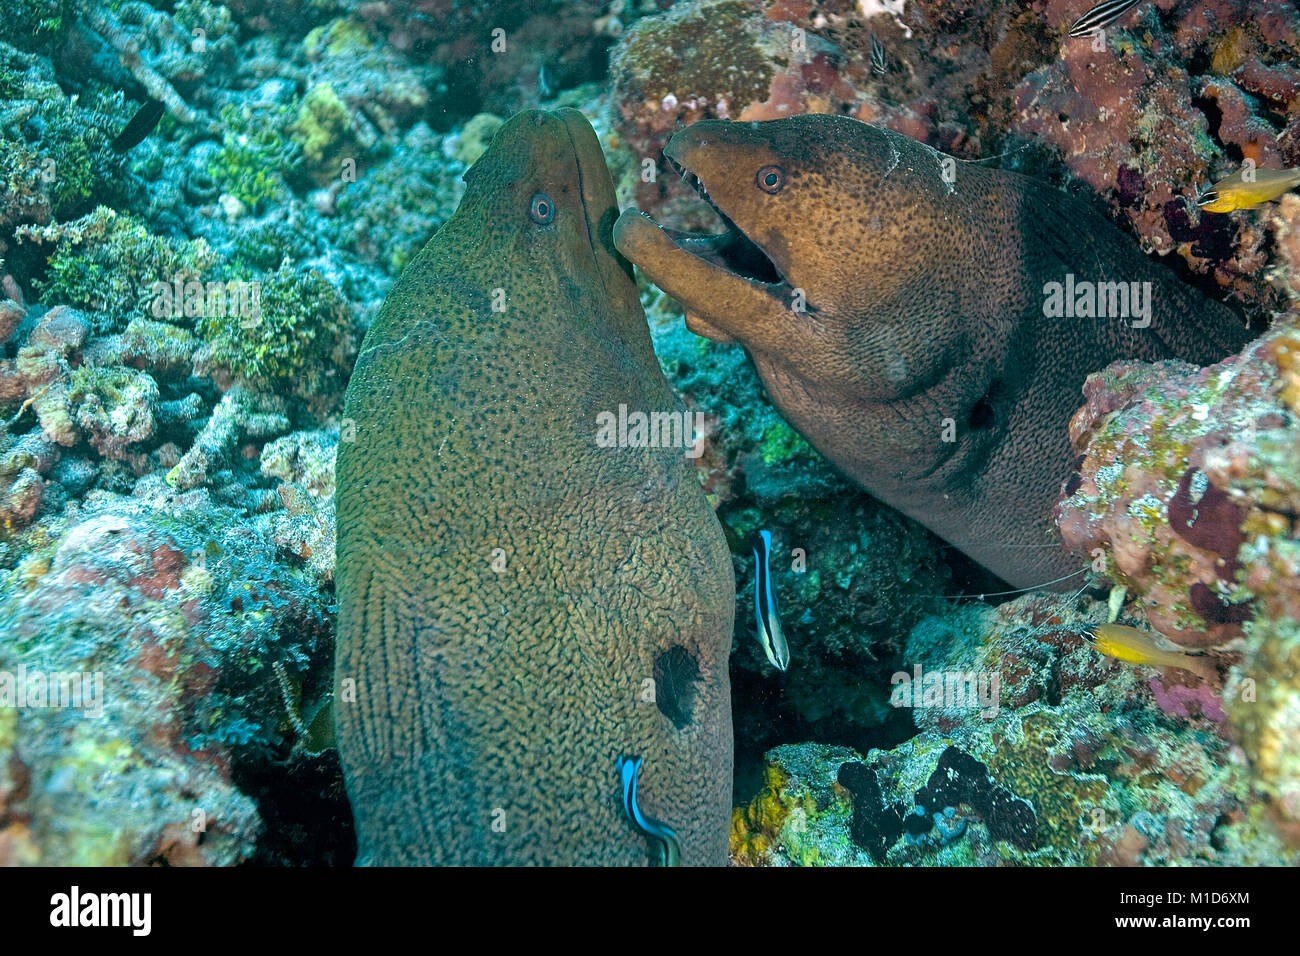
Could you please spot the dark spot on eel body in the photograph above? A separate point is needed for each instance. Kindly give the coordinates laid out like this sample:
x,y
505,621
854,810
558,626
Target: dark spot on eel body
x,y
676,672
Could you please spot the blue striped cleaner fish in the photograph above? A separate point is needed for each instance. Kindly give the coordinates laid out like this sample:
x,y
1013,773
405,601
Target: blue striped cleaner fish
x,y
770,634
1102,15
629,769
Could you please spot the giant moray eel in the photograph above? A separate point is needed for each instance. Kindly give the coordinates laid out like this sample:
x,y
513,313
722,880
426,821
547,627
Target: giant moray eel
x,y
922,363
520,608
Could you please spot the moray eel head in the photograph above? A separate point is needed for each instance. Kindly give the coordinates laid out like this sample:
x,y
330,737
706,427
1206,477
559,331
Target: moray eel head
x,y
897,306
542,192
790,193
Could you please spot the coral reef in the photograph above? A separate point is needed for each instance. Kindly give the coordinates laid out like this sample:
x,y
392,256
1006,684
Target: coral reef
x,y
108,263
1186,485
299,336
1074,763
1199,92
387,215
176,615
1186,493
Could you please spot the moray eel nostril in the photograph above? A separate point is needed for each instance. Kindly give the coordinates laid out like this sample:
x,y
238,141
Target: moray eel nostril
x,y
910,320
508,587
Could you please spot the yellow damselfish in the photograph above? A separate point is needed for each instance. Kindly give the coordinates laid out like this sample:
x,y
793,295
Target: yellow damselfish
x,y
1248,188
1132,646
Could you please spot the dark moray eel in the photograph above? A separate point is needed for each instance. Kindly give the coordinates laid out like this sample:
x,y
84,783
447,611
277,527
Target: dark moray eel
x,y
520,607
922,363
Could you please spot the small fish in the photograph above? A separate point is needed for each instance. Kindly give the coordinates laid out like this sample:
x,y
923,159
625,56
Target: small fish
x,y
1132,646
1102,15
141,125
629,769
1234,192
544,88
770,634
878,62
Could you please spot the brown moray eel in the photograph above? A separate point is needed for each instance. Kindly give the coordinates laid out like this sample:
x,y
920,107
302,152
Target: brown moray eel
x,y
496,690
924,316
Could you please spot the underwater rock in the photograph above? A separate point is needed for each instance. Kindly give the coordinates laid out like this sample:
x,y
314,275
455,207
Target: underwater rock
x,y
397,205
114,408
56,157
1263,699
1186,493
501,56
303,463
165,350
1285,219
39,376
1186,84
360,90
158,49
240,415
718,59
1186,485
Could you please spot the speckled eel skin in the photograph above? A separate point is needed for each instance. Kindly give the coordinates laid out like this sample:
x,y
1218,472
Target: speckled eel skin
x,y
519,607
896,304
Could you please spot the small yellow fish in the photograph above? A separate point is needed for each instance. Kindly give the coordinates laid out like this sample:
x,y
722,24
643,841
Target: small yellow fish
x,y
1132,646
1237,192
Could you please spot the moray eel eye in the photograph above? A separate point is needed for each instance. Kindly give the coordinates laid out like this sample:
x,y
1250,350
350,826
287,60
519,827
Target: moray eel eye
x,y
541,210
770,179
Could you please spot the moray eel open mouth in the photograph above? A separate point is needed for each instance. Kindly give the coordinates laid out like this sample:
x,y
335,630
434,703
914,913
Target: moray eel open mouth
x,y
731,250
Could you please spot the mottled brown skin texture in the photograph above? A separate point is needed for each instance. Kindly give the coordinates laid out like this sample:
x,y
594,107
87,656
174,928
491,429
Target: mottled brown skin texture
x,y
507,697
924,303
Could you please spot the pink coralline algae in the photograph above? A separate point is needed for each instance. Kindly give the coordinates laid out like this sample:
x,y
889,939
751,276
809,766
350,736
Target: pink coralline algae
x,y
1186,492
1180,701
197,639
1195,89
1186,485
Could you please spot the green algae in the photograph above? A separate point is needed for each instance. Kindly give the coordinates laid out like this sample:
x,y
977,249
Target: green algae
x,y
108,263
780,443
323,128
256,153
475,136
303,335
337,38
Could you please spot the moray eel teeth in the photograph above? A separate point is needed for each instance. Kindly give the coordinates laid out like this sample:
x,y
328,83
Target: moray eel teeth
x,y
731,249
